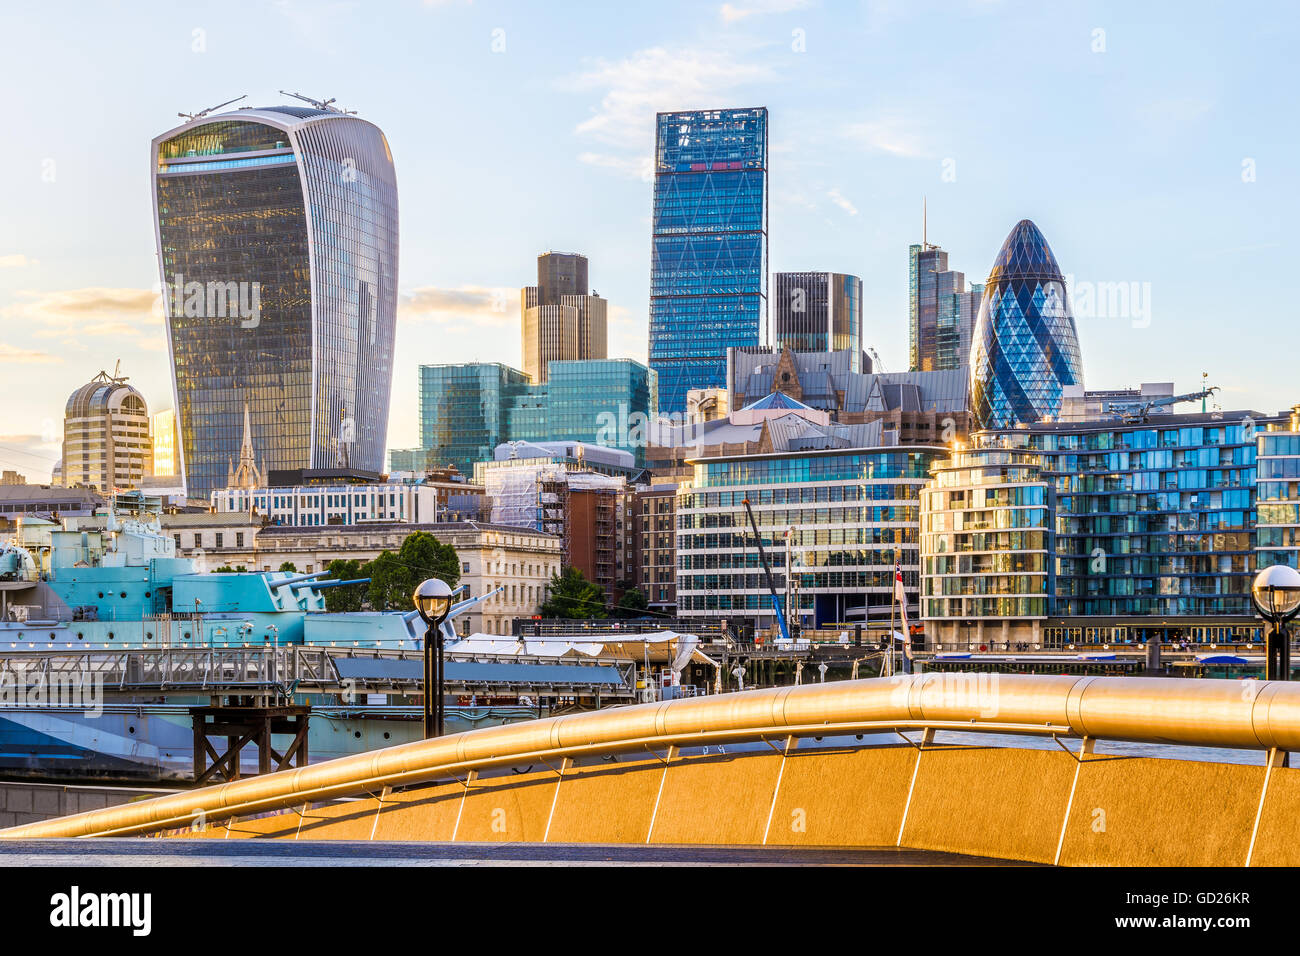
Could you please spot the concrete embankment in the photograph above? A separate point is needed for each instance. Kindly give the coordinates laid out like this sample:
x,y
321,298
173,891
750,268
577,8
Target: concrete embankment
x,y
23,802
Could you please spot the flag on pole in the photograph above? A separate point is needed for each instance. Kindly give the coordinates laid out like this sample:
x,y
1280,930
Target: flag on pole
x,y
900,595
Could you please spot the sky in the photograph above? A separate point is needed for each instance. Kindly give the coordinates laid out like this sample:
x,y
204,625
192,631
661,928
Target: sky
x,y
1155,145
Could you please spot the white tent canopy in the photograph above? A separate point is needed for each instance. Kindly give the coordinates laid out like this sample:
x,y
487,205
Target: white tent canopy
x,y
659,647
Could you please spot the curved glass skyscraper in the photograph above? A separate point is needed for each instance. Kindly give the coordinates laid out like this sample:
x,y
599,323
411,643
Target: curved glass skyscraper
x,y
1025,346
277,244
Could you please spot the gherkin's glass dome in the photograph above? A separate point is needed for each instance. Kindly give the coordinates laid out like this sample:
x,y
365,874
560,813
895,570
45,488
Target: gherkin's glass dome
x,y
1025,347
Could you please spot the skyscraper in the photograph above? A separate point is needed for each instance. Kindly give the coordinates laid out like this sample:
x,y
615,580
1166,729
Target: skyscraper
x,y
561,320
1025,345
942,311
818,312
106,436
277,244
708,256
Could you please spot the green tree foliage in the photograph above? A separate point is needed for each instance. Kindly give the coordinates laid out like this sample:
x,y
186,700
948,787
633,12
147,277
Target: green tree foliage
x,y
290,567
348,598
395,576
633,603
573,597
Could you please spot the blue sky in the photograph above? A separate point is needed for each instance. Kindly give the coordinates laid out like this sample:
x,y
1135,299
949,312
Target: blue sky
x,y
1152,143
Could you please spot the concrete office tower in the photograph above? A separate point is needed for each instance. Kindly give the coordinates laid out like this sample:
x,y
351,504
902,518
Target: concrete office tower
x,y
818,312
277,244
106,442
561,320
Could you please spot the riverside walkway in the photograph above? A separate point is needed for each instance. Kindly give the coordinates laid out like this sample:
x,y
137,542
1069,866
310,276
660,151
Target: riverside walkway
x,y
848,764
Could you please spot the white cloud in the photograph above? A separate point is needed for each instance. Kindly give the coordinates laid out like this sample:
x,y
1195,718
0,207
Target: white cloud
x,y
16,261
655,80
464,306
92,311
633,166
10,354
840,200
734,12
893,136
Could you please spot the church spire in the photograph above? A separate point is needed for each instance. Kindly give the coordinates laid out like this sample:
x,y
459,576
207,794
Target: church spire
x,y
247,475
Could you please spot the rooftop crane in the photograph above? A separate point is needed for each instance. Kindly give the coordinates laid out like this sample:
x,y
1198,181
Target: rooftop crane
x,y
202,113
1140,411
319,104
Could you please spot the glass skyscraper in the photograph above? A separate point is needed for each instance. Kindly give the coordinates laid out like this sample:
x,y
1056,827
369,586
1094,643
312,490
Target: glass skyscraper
x,y
1025,345
466,411
818,312
941,311
277,244
708,258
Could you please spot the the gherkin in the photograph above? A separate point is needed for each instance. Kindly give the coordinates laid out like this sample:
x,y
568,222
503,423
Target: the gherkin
x,y
1025,347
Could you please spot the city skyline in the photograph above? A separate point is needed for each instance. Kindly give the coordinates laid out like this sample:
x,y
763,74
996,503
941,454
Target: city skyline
x,y
1159,172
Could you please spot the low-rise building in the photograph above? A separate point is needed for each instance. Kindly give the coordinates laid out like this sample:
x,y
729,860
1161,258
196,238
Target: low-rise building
x,y
519,560
316,500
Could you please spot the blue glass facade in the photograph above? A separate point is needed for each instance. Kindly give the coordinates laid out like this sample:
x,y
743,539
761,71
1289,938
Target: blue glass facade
x,y
850,516
467,410
463,411
708,258
1151,519
1278,496
1025,346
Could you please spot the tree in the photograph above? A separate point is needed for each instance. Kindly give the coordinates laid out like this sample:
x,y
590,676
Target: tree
x,y
633,603
395,576
351,597
290,567
573,597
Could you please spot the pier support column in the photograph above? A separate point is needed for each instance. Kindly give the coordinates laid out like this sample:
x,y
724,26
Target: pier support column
x,y
242,726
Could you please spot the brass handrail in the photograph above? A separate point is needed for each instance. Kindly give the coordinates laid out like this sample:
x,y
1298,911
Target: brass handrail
x,y
1214,713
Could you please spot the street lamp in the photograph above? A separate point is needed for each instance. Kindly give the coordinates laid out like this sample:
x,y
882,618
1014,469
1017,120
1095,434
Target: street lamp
x,y
1276,593
433,600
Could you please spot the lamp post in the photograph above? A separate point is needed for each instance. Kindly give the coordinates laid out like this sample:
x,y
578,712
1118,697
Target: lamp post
x,y
1276,593
433,600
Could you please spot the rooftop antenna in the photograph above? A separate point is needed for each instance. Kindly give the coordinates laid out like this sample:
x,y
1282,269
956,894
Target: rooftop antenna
x,y
320,104
924,243
202,113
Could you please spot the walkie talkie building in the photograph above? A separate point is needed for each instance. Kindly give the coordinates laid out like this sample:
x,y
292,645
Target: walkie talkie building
x,y
277,245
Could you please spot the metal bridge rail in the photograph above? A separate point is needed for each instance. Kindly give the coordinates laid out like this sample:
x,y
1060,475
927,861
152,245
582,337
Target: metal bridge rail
x,y
1241,714
306,668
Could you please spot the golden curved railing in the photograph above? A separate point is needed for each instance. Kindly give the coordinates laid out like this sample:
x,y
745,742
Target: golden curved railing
x,y
1245,714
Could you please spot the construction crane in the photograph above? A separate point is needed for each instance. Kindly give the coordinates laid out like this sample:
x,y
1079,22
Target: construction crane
x,y
319,104
1140,411
876,364
202,113
767,571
